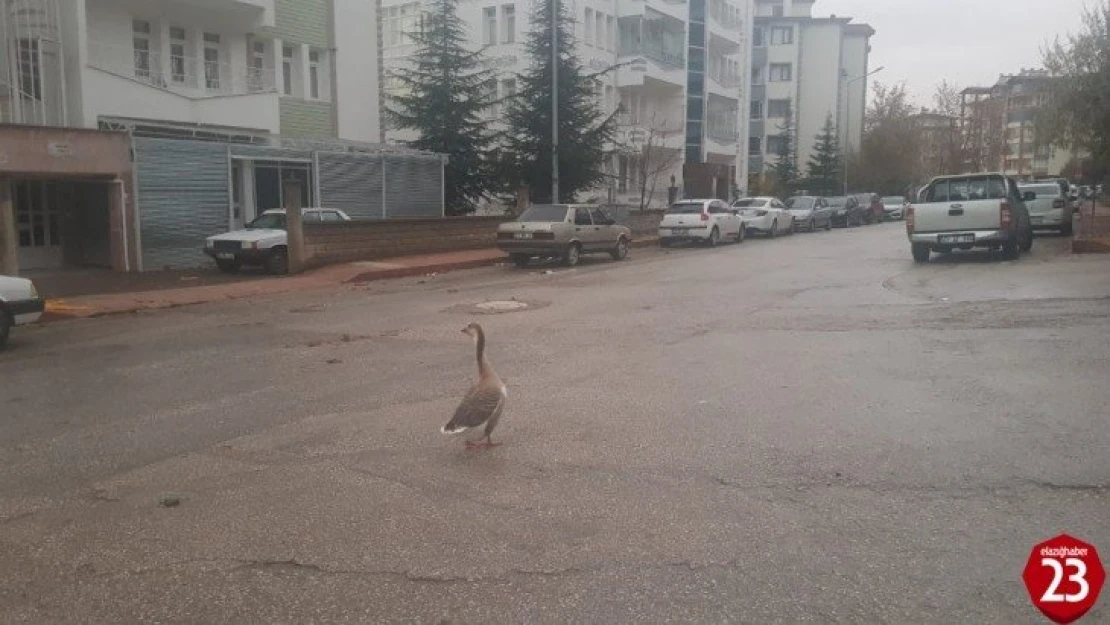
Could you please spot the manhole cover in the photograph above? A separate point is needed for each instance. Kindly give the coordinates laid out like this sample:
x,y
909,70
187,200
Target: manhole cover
x,y
501,305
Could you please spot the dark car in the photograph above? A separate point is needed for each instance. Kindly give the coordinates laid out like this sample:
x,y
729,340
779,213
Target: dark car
x,y
847,211
872,205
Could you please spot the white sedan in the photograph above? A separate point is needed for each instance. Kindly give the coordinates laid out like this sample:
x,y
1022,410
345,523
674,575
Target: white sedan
x,y
765,215
19,304
700,221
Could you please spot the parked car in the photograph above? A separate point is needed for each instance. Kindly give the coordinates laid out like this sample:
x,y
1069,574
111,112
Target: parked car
x,y
562,231
264,242
1050,208
872,206
846,211
20,304
702,221
893,206
765,215
972,210
810,212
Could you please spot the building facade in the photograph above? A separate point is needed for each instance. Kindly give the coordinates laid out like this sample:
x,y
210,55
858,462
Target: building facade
x,y
809,68
677,75
231,107
999,127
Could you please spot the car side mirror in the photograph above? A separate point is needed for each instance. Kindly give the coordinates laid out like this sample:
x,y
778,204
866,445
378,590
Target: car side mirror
x,y
1028,196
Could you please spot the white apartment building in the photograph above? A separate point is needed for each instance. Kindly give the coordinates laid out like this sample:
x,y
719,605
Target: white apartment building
x,y
811,67
680,82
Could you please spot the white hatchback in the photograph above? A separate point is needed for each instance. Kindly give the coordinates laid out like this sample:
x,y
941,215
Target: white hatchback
x,y
702,221
20,304
765,215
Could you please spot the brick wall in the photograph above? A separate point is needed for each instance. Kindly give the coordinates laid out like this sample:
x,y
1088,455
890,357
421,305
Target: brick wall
x,y
370,240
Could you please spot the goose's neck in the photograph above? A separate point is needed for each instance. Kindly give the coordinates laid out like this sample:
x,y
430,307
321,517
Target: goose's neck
x,y
483,364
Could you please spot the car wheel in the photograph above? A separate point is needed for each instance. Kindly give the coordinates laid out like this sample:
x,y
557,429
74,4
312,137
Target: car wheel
x,y
664,242
1027,242
520,260
1011,250
573,255
277,262
714,237
740,234
774,229
1066,230
812,226
228,266
828,224
620,252
5,327
921,252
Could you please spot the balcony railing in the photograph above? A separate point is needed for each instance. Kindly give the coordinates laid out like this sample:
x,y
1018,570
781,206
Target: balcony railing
x,y
655,52
728,81
726,14
722,134
187,75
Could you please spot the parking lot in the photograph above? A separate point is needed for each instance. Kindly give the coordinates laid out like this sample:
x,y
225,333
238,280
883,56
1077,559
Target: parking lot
x,y
812,427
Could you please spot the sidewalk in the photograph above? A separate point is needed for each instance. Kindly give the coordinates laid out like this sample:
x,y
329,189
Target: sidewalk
x,y
1092,232
357,272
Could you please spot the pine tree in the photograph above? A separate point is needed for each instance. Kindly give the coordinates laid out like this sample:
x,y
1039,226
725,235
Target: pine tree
x,y
443,97
824,164
586,132
784,170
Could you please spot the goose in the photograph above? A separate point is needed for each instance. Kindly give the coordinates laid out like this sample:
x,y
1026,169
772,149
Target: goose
x,y
485,400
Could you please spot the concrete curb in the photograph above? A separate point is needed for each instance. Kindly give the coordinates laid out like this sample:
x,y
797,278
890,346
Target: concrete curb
x,y
417,270
1090,246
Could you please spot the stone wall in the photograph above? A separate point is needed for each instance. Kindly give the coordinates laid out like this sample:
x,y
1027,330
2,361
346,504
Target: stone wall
x,y
376,239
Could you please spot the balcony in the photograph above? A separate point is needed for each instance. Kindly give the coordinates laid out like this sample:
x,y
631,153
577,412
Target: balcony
x,y
726,15
242,14
652,48
187,76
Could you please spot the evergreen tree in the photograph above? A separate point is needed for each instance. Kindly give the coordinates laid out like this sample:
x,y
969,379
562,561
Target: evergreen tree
x,y
443,97
784,170
585,131
824,163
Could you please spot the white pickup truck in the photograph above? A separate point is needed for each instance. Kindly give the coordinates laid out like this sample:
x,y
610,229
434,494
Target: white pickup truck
x,y
973,210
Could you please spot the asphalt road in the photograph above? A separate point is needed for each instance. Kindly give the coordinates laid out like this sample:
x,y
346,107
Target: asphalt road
x,y
812,429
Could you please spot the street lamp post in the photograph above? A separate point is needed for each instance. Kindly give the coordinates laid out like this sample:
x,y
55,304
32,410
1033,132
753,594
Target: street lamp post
x,y
554,101
848,118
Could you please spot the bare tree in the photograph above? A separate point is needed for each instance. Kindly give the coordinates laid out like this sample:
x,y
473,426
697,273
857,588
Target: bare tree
x,y
653,158
950,157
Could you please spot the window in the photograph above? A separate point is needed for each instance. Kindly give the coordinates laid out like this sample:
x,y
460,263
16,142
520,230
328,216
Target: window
x,y
758,39
757,109
330,217
781,72
757,75
782,35
314,74
177,54
776,144
589,27
30,69
508,23
489,26
599,32
287,69
258,66
508,92
489,92
609,98
399,23
776,11
598,216
582,217
140,40
611,33
778,109
211,61
755,145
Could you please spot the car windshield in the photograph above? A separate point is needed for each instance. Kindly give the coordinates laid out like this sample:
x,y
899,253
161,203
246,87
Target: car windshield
x,y
892,200
1042,190
967,189
750,203
801,203
271,221
542,212
837,201
685,208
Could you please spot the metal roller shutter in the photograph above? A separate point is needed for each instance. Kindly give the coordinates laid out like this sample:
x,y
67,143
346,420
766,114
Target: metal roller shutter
x,y
183,198
352,183
414,187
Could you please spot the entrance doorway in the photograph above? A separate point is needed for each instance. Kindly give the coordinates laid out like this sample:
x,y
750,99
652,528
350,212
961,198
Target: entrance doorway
x,y
258,186
38,223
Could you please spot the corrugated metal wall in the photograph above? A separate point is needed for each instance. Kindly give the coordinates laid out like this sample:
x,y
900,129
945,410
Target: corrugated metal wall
x,y
183,198
353,183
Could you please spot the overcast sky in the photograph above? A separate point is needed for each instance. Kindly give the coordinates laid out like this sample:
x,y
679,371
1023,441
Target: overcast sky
x,y
969,42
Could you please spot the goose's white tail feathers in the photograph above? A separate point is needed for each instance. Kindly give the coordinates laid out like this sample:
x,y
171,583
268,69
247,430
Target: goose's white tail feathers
x,y
451,428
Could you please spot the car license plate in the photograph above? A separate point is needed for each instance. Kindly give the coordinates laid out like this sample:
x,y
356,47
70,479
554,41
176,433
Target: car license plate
x,y
956,238
678,232
1036,219
225,256
522,235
